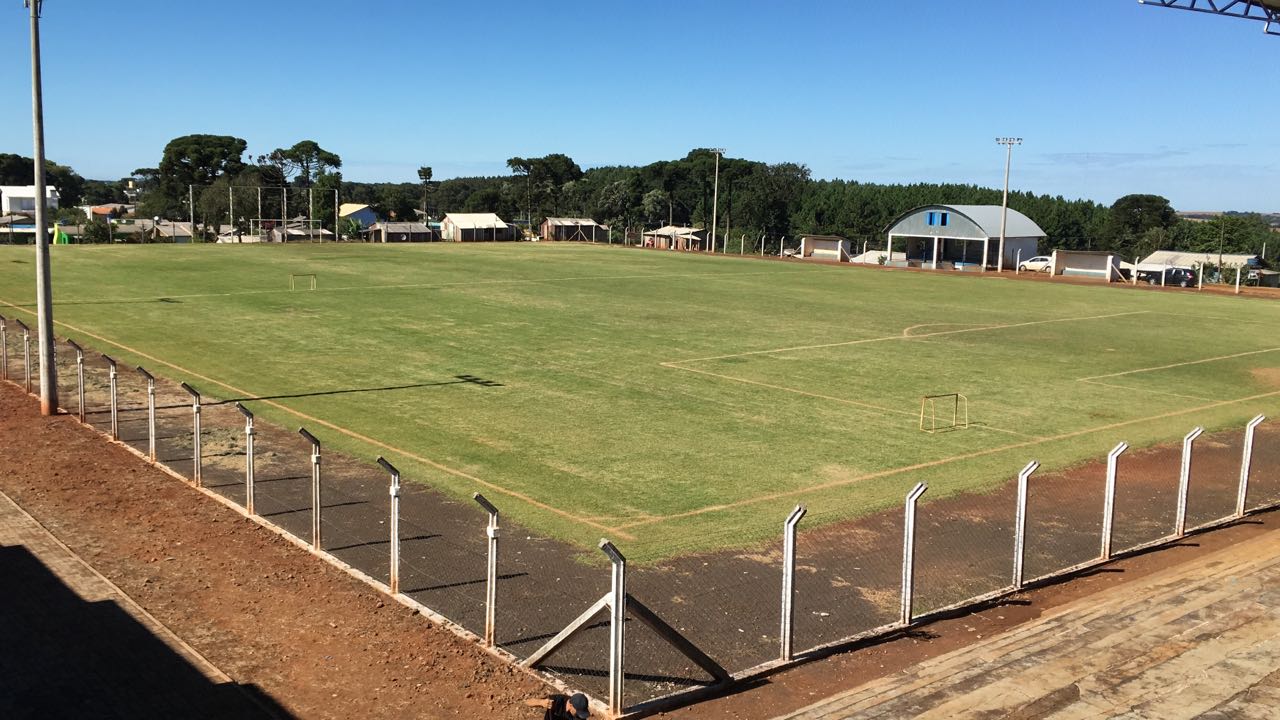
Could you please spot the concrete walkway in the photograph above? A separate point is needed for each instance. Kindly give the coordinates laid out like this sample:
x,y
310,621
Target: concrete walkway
x,y
73,645
1201,640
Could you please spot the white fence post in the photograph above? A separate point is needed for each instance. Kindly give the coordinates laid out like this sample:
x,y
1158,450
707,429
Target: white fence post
x,y
395,524
4,348
151,413
248,458
617,619
26,353
789,580
1109,499
1020,524
195,435
1246,462
491,570
79,379
112,380
315,488
909,552
1184,482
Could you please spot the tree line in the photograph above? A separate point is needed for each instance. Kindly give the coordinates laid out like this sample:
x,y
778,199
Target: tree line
x,y
204,175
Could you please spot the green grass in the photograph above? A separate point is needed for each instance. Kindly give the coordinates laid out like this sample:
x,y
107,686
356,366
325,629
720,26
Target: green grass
x,y
588,420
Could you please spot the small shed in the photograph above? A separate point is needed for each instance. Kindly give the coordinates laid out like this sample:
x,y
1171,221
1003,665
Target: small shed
x,y
474,227
578,229
963,237
401,232
1094,264
825,247
676,237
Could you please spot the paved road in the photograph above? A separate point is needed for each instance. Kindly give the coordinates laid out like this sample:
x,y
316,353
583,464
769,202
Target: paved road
x,y
1200,640
73,645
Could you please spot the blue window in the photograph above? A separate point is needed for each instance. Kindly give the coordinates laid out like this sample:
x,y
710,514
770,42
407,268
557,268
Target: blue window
x,y
931,218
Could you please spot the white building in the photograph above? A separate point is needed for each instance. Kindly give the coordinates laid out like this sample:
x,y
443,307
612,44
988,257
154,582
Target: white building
x,y
22,199
474,227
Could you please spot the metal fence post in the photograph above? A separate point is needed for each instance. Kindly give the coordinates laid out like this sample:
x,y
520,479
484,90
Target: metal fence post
x,y
789,580
1020,524
1246,461
395,524
1184,482
79,378
4,349
491,572
909,552
617,620
248,457
112,375
195,434
1109,499
151,413
315,487
26,353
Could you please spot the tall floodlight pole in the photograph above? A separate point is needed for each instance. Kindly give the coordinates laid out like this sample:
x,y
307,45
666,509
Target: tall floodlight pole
x,y
44,290
715,197
1008,142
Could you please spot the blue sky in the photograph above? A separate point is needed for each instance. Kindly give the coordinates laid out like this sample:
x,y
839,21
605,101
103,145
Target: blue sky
x,y
1111,97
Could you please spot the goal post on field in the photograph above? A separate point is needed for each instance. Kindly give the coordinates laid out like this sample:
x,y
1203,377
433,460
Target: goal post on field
x,y
297,280
955,402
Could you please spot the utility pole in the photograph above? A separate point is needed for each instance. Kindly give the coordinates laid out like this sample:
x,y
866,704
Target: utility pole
x,y
715,199
1008,142
191,208
44,282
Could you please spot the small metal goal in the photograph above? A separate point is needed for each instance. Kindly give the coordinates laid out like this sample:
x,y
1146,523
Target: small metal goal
x,y
296,278
929,412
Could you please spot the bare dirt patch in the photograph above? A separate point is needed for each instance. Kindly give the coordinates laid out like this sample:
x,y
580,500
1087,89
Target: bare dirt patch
x,y
316,641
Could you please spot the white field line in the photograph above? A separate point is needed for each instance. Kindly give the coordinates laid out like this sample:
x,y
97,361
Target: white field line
x,y
412,286
1181,364
949,460
564,514
900,336
819,396
1144,391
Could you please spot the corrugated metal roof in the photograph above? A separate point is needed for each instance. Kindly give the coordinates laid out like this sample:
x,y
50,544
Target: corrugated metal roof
x,y
987,218
1174,258
475,221
572,221
402,227
674,231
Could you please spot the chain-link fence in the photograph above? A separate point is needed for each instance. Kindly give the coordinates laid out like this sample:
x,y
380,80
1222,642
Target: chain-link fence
x,y
694,620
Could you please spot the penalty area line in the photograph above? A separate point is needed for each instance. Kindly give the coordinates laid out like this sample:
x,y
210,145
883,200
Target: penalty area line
x,y
947,461
349,433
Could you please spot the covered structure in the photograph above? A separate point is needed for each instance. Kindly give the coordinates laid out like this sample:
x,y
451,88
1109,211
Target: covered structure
x,y
825,247
961,237
357,212
401,232
676,237
1174,258
475,227
1095,264
578,229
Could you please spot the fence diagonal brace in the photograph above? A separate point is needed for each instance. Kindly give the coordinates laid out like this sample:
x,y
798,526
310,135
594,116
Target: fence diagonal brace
x,y
568,632
675,639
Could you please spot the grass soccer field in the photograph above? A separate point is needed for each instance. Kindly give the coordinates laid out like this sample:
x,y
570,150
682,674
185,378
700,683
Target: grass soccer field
x,y
670,402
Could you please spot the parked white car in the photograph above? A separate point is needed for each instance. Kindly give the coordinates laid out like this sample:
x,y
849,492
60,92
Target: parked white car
x,y
1041,263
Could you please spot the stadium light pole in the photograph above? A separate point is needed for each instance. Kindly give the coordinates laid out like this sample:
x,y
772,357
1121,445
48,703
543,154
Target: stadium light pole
x,y
1008,142
44,291
715,197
